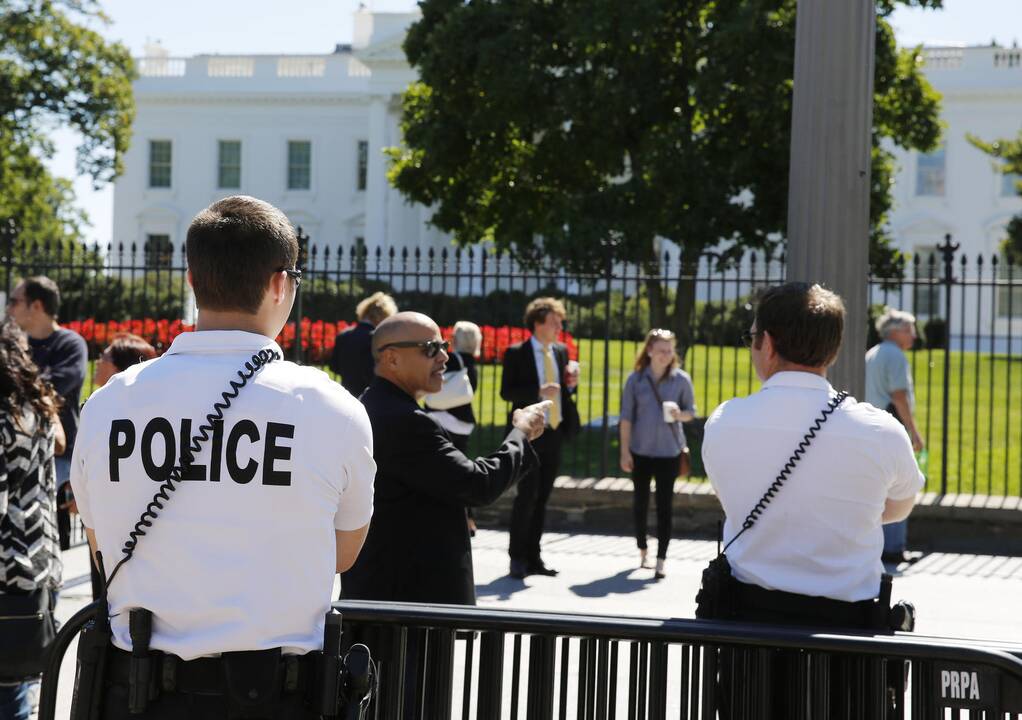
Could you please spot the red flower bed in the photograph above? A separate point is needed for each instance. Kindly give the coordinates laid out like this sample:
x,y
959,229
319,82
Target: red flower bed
x,y
317,336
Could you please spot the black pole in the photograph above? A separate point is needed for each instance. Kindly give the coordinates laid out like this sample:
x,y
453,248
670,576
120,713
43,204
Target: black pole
x,y
605,428
948,251
303,250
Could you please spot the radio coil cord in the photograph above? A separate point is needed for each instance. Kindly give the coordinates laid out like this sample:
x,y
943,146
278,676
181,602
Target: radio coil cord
x,y
789,466
259,360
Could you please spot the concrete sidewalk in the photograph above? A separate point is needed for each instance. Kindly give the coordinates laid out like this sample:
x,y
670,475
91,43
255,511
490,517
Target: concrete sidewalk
x,y
956,595
983,524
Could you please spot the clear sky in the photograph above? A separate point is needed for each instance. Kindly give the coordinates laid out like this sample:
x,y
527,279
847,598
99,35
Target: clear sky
x,y
191,27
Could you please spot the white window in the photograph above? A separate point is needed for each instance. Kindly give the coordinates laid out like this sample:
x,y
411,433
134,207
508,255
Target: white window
x,y
159,163
229,164
1010,184
299,164
363,164
930,173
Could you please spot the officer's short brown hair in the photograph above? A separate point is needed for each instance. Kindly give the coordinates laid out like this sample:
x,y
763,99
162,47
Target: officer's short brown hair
x,y
537,310
805,321
233,247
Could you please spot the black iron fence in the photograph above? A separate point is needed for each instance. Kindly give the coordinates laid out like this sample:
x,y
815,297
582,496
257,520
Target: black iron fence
x,y
463,662
446,662
967,365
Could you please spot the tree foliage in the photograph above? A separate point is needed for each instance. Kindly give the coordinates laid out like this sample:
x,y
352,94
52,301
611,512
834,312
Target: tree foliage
x,y
56,70
582,121
1008,154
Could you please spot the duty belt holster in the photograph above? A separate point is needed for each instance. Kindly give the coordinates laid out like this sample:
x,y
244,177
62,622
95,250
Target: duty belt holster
x,y
253,680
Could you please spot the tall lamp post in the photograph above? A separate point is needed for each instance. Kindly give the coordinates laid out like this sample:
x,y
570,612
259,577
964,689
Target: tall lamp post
x,y
828,195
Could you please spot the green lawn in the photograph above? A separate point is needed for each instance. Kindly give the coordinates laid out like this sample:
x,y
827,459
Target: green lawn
x,y
985,409
984,452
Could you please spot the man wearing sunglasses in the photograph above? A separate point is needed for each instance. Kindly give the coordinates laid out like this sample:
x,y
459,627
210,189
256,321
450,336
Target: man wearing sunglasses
x,y
418,548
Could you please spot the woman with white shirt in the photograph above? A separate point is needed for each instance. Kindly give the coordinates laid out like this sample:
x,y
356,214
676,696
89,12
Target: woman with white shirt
x,y
657,398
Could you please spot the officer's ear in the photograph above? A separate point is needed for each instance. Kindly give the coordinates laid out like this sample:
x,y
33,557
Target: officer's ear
x,y
188,276
278,287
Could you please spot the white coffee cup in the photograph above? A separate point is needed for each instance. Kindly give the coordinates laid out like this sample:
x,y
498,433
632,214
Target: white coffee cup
x,y
670,408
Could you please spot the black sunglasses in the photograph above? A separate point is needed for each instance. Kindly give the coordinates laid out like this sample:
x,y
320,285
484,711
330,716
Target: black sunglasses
x,y
293,273
748,337
430,348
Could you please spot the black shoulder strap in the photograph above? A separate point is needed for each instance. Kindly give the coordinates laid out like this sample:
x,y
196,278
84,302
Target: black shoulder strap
x,y
674,426
789,466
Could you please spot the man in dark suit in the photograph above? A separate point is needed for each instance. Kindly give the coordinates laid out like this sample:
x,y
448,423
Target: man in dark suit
x,y
418,547
352,357
538,369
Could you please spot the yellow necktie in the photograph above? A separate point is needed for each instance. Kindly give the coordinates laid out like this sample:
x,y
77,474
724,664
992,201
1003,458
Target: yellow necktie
x,y
550,369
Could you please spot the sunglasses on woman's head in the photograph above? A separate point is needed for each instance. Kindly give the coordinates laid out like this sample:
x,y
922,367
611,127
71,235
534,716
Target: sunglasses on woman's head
x,y
430,348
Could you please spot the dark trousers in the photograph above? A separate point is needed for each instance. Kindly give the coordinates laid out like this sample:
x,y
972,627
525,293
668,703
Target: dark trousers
x,y
664,471
529,510
64,528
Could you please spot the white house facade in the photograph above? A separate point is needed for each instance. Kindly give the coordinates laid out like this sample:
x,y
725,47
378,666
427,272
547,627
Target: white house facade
x,y
959,190
305,133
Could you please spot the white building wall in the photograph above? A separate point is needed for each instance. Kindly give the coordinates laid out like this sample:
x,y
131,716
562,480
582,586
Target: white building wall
x,y
334,101
981,92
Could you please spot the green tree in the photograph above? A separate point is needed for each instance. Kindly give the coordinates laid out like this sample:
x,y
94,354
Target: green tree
x,y
56,70
579,122
1008,154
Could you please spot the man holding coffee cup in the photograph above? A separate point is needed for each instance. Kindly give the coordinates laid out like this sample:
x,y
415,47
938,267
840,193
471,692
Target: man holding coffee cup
x,y
538,369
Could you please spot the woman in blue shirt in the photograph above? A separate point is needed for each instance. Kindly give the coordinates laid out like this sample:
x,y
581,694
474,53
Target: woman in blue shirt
x,y
657,398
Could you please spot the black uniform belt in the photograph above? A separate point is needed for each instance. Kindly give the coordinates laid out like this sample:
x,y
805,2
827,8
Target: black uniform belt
x,y
757,604
207,676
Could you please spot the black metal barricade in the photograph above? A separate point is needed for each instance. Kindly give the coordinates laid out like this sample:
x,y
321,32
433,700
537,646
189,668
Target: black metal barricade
x,y
460,662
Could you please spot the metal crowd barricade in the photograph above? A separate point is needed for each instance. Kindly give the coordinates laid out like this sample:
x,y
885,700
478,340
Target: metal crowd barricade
x,y
463,662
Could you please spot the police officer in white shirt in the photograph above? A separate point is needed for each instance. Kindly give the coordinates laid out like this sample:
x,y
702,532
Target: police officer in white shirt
x,y
238,567
812,556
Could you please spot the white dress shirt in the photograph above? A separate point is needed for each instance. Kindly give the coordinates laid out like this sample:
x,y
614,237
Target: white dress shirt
x,y
821,534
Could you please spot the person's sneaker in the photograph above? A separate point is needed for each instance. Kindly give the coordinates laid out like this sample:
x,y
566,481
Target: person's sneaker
x,y
659,574
644,559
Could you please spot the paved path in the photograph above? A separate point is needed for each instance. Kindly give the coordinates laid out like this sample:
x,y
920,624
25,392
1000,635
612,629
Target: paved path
x,y
956,595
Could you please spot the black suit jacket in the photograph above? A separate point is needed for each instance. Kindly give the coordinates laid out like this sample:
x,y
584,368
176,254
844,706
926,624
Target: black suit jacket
x,y
418,548
519,384
352,358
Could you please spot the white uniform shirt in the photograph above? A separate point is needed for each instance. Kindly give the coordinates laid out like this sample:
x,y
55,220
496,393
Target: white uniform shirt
x,y
243,555
821,534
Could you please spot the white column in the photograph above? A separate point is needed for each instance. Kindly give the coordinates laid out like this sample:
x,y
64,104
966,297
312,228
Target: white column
x,y
376,179
828,201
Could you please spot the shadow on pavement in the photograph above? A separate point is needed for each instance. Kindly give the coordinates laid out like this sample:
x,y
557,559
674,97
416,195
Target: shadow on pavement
x,y
619,584
501,588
